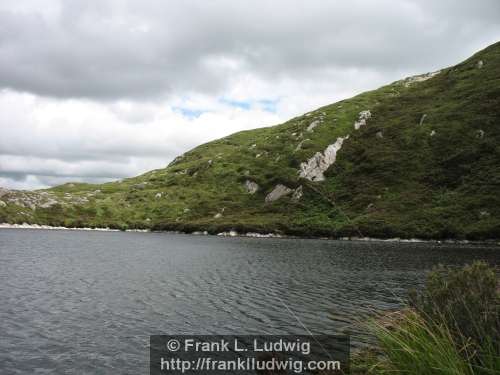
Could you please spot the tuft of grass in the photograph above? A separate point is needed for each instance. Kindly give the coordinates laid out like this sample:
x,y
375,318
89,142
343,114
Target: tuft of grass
x,y
452,327
416,346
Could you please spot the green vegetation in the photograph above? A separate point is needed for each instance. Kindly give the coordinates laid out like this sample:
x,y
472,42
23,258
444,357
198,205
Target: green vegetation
x,y
426,165
452,328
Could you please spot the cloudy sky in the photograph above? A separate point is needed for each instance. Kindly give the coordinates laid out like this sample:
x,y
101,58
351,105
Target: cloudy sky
x,y
105,89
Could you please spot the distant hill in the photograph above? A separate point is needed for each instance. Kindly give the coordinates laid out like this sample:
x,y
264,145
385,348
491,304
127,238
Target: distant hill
x,y
417,158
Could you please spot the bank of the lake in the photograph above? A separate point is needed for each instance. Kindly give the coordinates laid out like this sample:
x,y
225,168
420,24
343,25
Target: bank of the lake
x,y
232,233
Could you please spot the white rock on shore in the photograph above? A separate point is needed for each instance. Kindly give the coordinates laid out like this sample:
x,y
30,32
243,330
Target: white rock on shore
x,y
48,227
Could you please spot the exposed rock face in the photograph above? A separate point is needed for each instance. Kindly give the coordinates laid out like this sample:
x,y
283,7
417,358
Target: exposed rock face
x,y
48,203
314,168
31,199
299,146
3,192
313,124
419,78
278,192
251,187
422,119
362,117
297,194
176,160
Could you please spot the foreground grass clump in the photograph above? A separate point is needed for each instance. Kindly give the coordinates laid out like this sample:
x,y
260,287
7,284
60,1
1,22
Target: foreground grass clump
x,y
452,327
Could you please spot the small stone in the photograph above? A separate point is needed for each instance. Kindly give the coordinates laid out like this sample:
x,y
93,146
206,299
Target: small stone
x,y
297,194
312,125
479,64
251,187
484,213
140,186
379,135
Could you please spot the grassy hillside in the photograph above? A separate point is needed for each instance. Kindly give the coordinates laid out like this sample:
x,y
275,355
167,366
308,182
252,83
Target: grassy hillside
x,y
424,162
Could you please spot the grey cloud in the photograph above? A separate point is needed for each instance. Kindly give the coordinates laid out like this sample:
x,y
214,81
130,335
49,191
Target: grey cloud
x,y
112,49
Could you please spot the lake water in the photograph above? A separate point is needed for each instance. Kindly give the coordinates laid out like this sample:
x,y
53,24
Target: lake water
x,y
86,302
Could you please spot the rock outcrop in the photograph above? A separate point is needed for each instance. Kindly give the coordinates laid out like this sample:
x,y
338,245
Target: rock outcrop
x,y
278,192
297,194
312,125
315,167
422,119
419,78
362,117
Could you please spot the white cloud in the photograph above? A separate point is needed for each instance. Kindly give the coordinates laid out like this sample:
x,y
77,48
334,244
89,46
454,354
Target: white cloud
x,y
91,91
46,141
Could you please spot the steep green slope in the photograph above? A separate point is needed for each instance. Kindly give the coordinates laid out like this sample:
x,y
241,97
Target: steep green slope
x,y
423,162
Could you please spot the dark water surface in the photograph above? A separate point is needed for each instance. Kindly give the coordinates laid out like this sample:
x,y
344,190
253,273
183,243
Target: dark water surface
x,y
86,302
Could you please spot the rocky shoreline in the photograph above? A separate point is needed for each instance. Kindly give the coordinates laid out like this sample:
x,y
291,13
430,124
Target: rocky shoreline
x,y
254,235
48,227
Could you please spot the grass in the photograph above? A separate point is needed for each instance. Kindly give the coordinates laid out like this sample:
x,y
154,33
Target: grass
x,y
452,327
406,183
